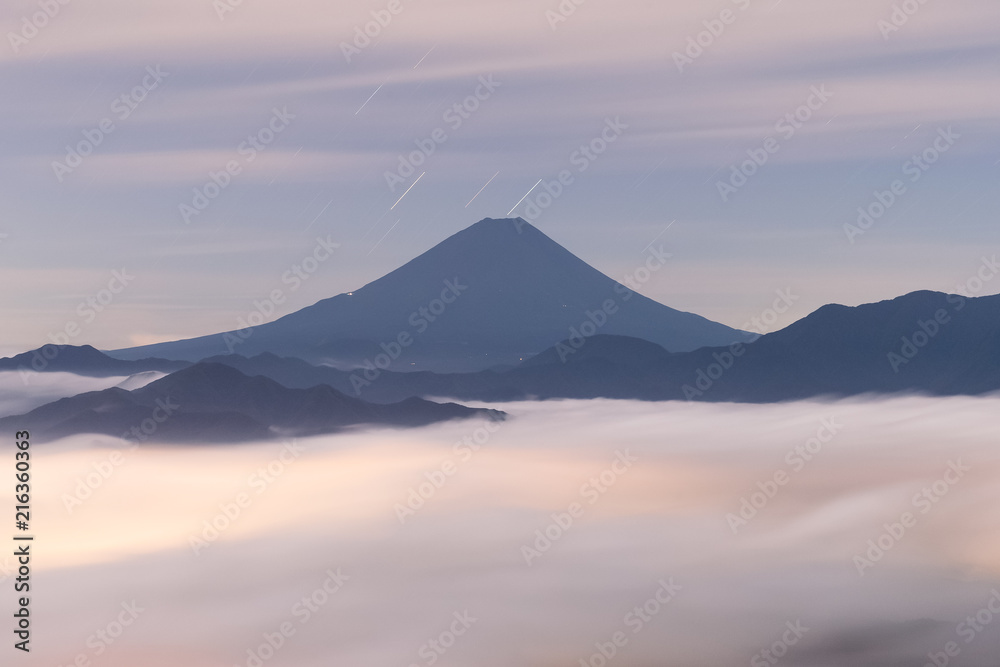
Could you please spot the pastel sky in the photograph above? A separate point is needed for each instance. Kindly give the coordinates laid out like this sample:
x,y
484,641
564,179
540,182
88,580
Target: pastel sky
x,y
872,86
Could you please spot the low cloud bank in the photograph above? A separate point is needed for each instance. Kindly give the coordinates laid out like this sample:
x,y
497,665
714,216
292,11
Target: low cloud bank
x,y
858,532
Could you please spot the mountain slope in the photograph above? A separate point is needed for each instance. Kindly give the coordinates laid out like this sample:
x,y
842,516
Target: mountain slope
x,y
83,360
491,294
216,403
924,342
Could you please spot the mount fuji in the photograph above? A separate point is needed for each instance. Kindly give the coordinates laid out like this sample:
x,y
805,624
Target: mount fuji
x,y
490,295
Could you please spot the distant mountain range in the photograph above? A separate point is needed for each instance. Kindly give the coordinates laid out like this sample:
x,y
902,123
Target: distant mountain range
x,y
216,403
490,295
83,360
500,312
923,342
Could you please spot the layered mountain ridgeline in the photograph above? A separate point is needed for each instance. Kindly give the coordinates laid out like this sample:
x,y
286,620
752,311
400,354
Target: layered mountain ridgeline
x,y
924,342
490,295
216,403
84,360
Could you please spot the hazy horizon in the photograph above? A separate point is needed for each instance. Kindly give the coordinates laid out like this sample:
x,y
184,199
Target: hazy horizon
x,y
790,312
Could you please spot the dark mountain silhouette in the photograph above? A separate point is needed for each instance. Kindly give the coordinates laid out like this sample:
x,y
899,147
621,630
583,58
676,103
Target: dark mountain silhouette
x,y
492,294
216,403
84,360
386,387
924,342
604,360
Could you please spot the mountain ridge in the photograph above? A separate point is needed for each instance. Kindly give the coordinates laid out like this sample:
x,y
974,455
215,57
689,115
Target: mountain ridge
x,y
923,342
84,360
834,351
209,402
490,294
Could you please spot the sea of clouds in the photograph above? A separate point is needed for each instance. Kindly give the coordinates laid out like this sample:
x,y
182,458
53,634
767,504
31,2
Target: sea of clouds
x,y
575,533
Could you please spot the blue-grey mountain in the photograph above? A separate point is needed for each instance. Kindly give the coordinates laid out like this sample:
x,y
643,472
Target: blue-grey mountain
x,y
923,342
216,403
490,295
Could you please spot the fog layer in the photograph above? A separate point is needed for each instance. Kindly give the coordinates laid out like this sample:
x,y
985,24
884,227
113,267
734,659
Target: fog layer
x,y
574,531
